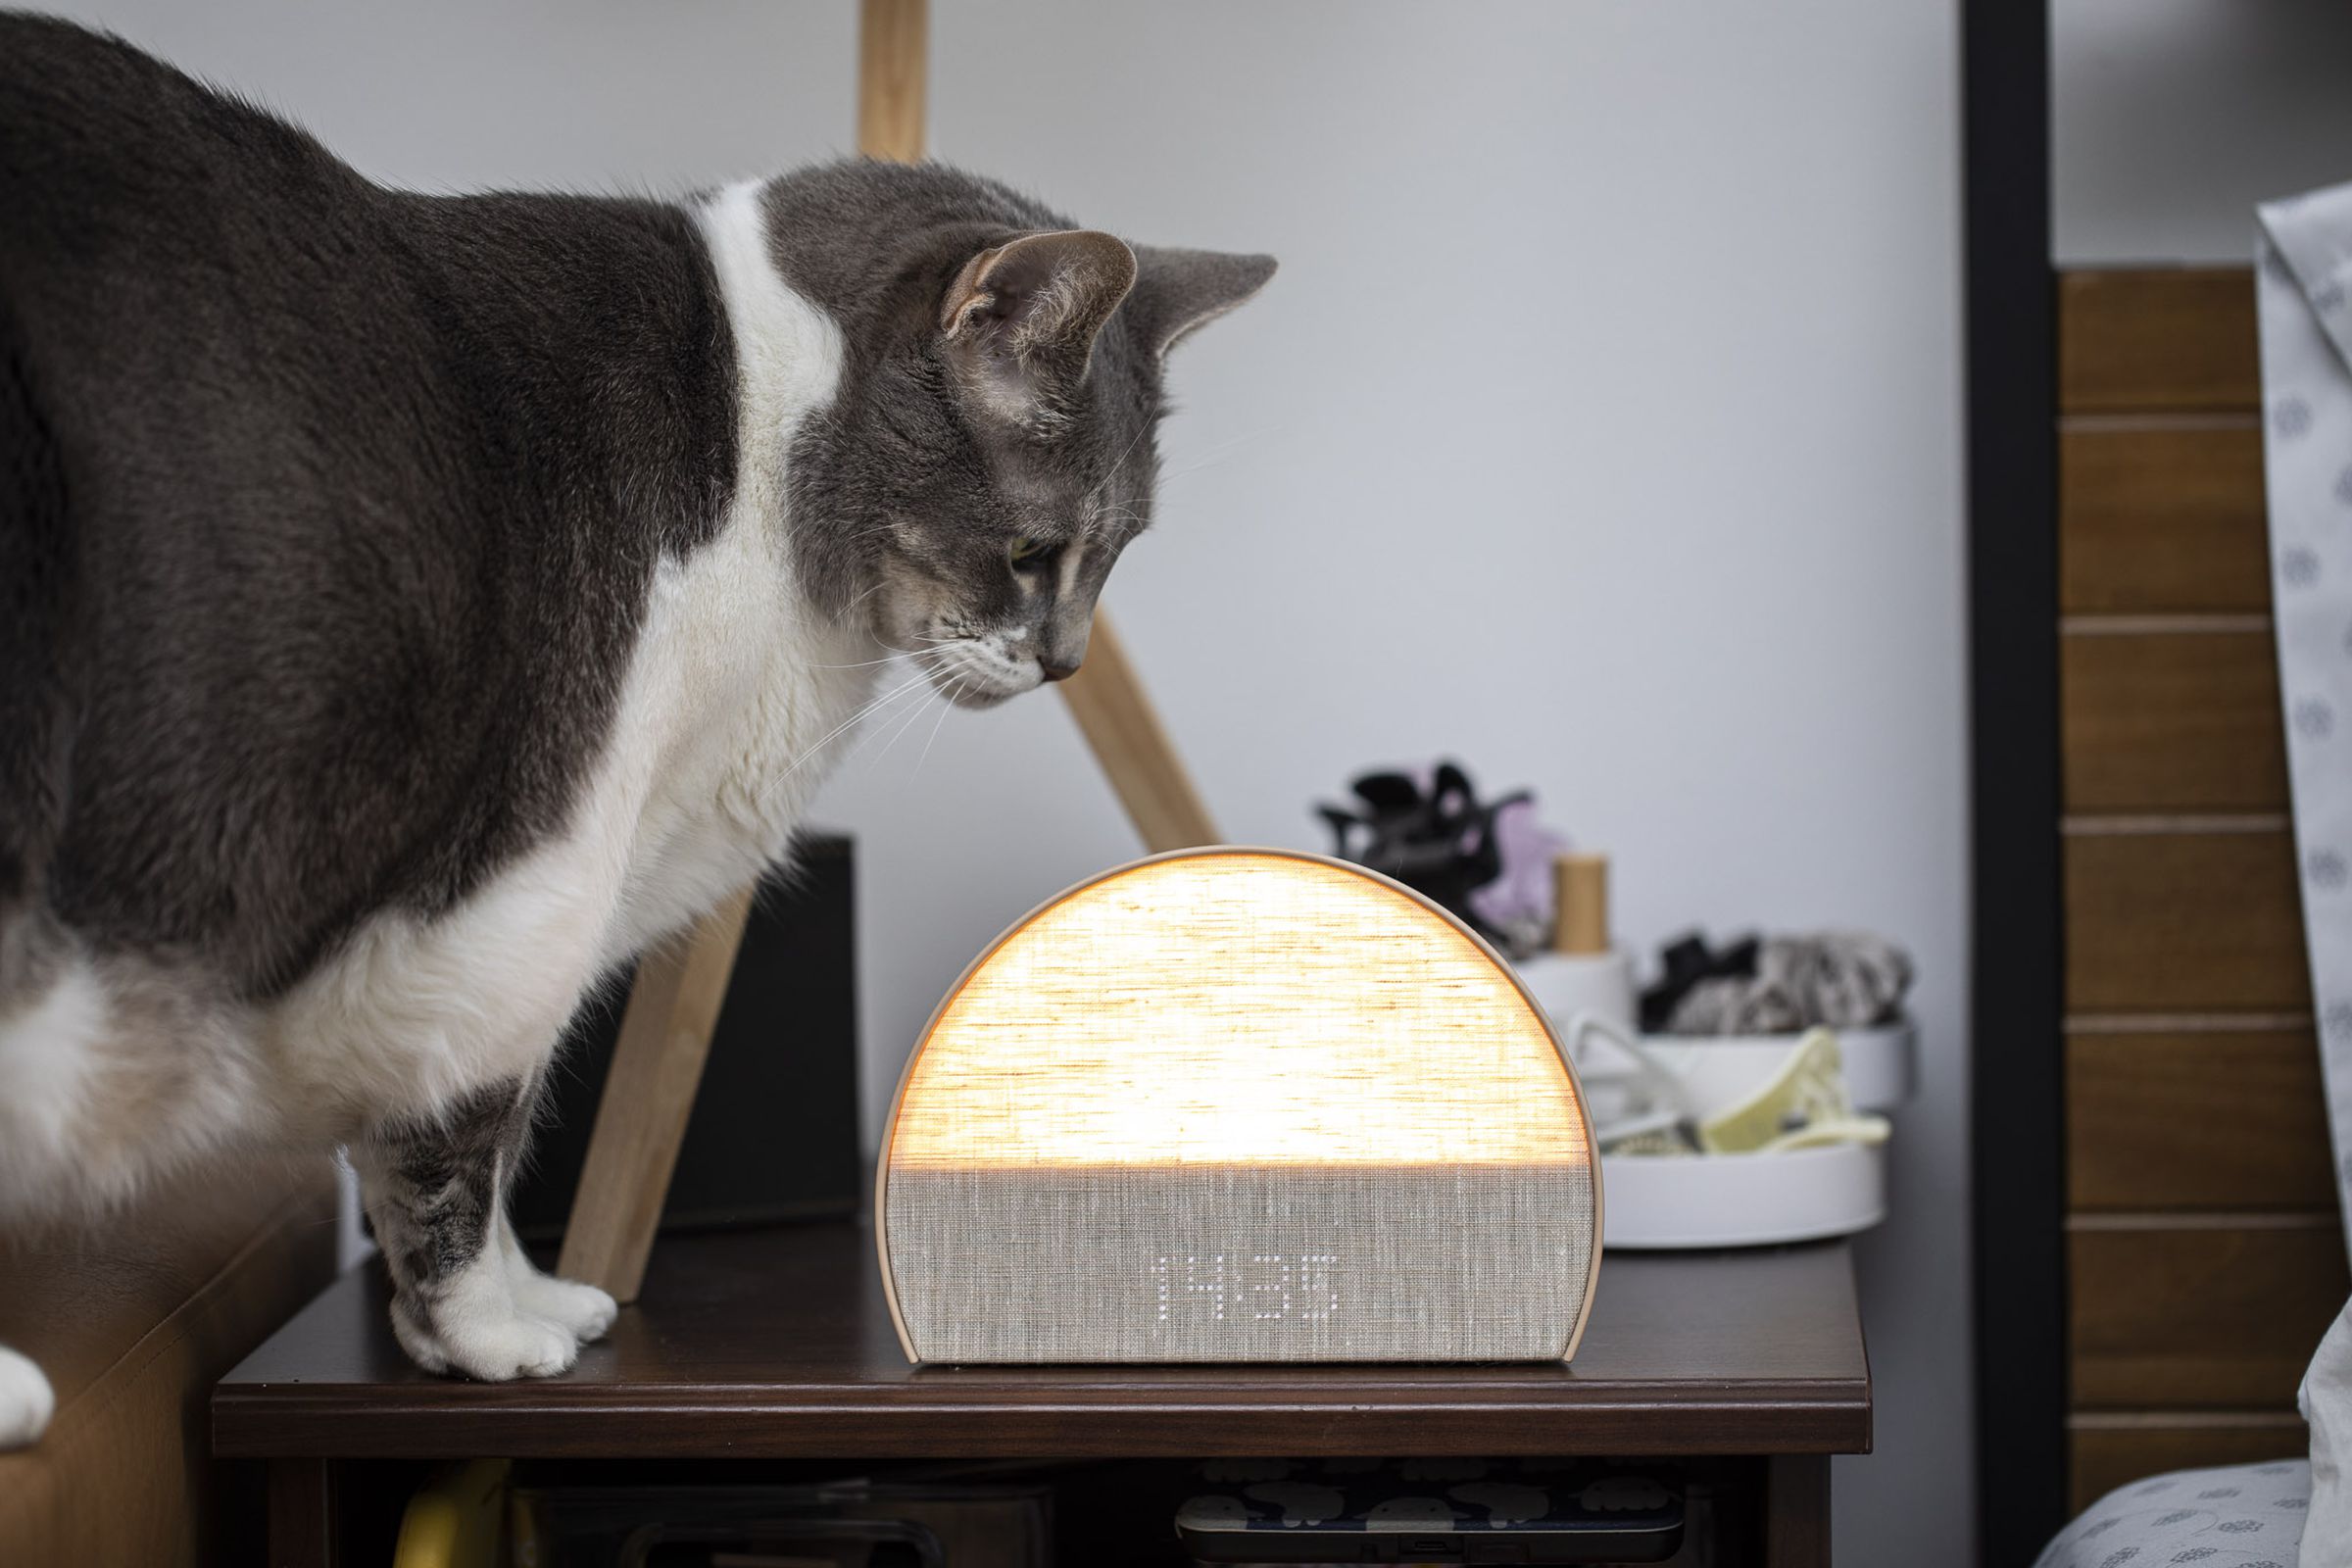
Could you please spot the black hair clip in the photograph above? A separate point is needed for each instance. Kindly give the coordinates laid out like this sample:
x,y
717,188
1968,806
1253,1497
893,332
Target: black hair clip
x,y
1439,842
1684,964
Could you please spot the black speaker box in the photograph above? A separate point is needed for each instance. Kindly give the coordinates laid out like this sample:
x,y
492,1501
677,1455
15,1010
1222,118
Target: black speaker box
x,y
774,1131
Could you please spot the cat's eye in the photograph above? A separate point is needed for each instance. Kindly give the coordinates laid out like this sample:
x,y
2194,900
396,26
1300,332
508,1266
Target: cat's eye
x,y
1029,553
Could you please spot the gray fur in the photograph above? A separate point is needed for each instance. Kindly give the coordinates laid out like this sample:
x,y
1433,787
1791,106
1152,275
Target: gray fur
x,y
903,477
328,516
363,494
435,1186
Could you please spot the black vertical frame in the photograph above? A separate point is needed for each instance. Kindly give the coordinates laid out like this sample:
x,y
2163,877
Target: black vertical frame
x,y
2017,1065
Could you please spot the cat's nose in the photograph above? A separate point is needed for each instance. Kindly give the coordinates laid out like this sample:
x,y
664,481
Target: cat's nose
x,y
1054,671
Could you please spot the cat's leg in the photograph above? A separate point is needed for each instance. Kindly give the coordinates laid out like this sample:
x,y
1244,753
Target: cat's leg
x,y
582,1308
27,1401
434,1192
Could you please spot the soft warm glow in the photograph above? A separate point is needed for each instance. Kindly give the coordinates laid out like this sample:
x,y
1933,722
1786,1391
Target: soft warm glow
x,y
1238,1007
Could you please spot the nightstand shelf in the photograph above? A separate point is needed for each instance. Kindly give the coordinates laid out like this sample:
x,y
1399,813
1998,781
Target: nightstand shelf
x,y
776,1346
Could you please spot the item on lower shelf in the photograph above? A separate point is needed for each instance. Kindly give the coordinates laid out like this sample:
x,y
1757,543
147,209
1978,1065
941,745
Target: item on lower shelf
x,y
850,1523
464,1517
785,1543
1422,1510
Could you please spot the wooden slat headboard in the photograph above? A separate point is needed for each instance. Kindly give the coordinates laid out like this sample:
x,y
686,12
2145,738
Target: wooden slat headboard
x,y
2204,1252
2145,340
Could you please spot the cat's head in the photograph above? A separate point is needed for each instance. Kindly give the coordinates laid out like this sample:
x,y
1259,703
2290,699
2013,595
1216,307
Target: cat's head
x,y
990,450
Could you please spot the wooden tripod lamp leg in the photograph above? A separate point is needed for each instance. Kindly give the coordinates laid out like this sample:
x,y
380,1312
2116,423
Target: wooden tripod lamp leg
x,y
894,52
641,1120
666,1033
1106,697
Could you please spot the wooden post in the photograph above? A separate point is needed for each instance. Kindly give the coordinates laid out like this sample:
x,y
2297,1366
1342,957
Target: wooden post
x,y
666,1034
894,52
648,1094
1108,700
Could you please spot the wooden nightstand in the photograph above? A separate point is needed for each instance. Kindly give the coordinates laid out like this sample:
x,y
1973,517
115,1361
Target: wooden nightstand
x,y
774,1345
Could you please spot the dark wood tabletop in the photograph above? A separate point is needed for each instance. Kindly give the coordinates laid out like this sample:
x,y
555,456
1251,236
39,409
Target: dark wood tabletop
x,y
776,1344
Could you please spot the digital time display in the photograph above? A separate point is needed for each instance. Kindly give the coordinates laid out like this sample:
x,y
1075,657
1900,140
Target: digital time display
x,y
1194,1288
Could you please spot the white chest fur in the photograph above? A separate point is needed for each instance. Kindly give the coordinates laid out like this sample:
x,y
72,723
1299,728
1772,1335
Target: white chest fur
x,y
740,682
735,697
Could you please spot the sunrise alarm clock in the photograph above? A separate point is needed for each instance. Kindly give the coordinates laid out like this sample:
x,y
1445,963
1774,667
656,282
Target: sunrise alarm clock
x,y
1238,1105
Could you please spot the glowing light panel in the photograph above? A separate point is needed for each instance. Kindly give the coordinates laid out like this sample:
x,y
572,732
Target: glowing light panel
x,y
1238,1007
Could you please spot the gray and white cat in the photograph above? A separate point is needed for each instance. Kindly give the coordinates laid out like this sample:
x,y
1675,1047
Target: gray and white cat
x,y
412,606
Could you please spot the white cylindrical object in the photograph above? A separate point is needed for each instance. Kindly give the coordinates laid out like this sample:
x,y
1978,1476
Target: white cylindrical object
x,y
1566,984
1667,1200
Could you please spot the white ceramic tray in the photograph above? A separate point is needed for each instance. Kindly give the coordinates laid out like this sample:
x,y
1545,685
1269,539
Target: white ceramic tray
x,y
1881,1065
1660,1202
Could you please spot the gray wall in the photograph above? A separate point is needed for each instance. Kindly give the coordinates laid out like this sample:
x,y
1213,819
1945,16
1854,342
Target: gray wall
x,y
2170,118
1601,429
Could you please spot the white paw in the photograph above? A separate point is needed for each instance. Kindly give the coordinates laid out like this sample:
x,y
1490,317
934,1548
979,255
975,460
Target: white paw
x,y
496,1348
415,1337
27,1401
474,1327
582,1309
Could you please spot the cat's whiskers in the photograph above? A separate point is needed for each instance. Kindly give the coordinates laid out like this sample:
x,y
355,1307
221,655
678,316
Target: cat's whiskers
x,y
877,531
850,608
866,740
1219,453
816,748
895,654
912,718
1141,431
954,691
890,658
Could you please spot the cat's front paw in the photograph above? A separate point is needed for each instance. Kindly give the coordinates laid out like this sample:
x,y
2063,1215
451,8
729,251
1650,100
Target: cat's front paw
x,y
585,1311
27,1401
494,1342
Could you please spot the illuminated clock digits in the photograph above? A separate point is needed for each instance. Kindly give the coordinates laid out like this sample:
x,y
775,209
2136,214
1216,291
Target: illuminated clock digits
x,y
1270,1287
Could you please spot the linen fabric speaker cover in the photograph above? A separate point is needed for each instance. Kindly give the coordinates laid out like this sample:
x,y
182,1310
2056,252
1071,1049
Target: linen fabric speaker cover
x,y
1239,1105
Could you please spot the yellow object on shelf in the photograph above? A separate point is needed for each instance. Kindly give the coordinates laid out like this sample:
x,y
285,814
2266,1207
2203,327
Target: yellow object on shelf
x,y
459,1519
1804,1105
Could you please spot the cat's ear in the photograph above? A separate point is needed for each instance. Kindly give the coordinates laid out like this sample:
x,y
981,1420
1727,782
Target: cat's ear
x,y
1021,319
1178,292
